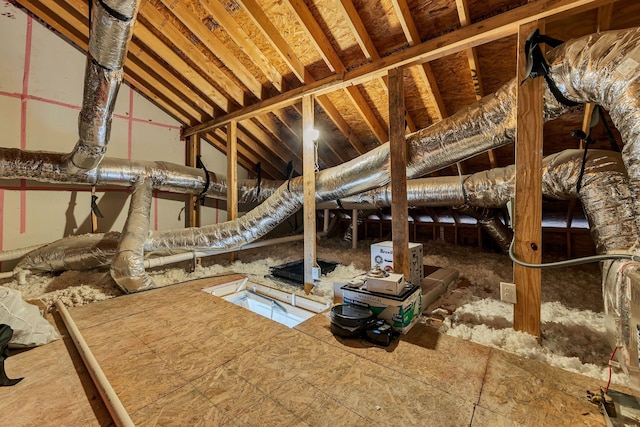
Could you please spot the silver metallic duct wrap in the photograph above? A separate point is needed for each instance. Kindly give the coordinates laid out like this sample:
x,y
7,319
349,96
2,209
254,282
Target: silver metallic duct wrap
x,y
72,253
604,193
604,68
109,36
231,234
94,121
110,32
44,166
488,220
127,267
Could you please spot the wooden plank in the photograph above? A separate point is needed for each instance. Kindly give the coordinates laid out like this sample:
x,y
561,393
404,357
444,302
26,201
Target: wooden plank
x,y
309,192
413,38
316,36
367,46
475,34
367,113
334,62
192,207
232,176
398,160
527,223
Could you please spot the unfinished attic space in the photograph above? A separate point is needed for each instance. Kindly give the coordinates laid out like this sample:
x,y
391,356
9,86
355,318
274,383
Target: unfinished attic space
x,y
320,212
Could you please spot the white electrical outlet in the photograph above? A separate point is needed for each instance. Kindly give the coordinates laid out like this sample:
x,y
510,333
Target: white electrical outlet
x,y
508,292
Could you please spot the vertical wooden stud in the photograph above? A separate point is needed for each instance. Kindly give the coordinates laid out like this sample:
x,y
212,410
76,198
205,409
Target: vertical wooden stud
x,y
528,202
232,176
192,205
398,150
309,198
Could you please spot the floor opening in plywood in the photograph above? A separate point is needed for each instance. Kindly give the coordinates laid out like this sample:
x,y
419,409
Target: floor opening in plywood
x,y
285,308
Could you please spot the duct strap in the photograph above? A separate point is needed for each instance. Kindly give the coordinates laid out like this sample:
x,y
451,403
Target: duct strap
x,y
587,140
537,66
339,203
289,174
94,206
207,178
259,183
612,138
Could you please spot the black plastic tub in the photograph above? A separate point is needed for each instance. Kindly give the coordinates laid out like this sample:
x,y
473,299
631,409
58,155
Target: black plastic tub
x,y
348,320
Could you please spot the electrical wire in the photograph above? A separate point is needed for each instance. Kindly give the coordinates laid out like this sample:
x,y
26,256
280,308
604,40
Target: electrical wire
x,y
570,262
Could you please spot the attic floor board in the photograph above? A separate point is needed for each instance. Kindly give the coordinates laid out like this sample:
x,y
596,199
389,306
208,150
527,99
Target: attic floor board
x,y
178,356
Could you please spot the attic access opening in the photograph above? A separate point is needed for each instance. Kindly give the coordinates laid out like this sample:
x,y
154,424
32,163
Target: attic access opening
x,y
285,308
292,273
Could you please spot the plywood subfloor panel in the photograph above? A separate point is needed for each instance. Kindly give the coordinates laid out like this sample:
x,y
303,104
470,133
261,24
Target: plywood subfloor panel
x,y
178,356
56,389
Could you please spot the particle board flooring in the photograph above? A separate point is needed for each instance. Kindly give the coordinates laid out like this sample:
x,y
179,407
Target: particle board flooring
x,y
177,356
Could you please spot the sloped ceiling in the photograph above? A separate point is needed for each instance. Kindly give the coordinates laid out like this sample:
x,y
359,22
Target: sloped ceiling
x,y
206,61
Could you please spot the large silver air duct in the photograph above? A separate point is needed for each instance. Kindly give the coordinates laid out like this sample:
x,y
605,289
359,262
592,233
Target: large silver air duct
x,y
110,31
127,266
604,195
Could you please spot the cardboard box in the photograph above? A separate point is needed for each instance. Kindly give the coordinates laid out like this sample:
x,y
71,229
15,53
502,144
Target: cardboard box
x,y
393,284
382,255
401,312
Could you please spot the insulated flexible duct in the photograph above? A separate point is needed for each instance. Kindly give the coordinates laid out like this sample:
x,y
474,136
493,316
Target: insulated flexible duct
x,y
604,195
109,35
127,267
484,125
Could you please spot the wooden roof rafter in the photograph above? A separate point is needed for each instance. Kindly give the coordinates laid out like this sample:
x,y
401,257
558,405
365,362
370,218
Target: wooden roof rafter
x,y
333,61
287,54
474,64
368,47
475,34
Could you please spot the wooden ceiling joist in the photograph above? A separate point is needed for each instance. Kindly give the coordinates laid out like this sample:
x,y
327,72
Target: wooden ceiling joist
x,y
238,35
187,16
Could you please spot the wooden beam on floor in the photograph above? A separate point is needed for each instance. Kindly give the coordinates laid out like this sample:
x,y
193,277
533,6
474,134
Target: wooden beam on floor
x,y
398,155
528,202
309,191
232,176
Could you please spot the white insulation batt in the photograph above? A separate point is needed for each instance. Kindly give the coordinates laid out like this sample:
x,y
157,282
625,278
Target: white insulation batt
x,y
29,327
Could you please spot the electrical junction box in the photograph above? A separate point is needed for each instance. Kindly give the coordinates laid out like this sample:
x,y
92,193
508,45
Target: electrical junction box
x,y
382,255
392,284
401,311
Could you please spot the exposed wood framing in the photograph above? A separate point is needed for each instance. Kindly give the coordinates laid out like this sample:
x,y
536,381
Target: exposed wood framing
x,y
474,64
413,38
293,62
232,176
309,192
398,156
472,35
528,205
333,61
192,207
367,46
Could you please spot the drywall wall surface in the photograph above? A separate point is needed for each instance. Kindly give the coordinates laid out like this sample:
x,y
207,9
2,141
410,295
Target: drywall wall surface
x,y
12,22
